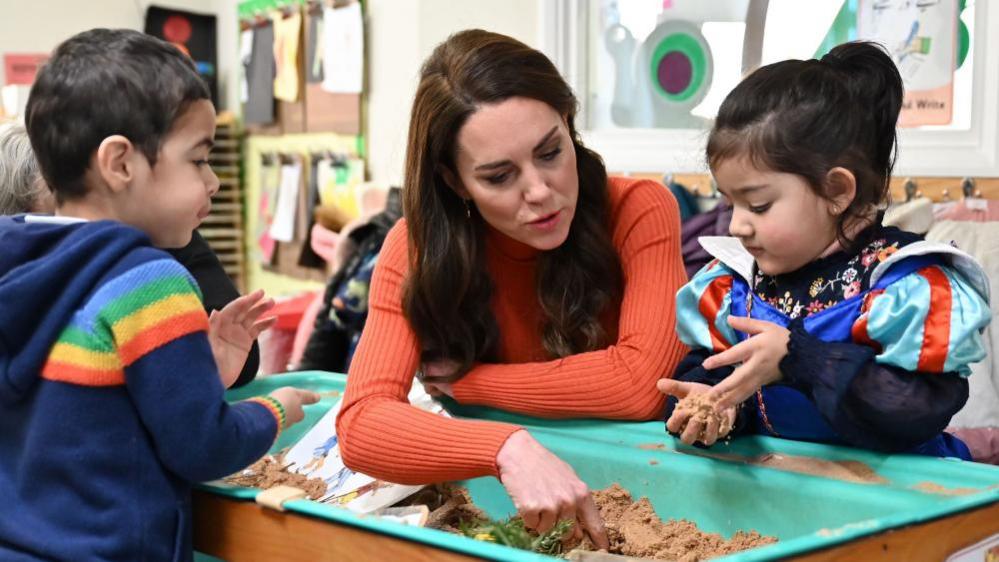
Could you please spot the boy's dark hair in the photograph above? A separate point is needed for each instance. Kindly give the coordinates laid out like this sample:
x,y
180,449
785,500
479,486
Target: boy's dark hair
x,y
807,117
105,82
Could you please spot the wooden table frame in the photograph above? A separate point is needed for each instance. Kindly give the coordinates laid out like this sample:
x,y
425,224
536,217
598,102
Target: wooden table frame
x,y
239,531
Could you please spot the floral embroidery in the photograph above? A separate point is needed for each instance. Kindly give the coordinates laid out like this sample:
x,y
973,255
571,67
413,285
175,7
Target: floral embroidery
x,y
817,306
816,287
851,290
883,254
785,303
827,281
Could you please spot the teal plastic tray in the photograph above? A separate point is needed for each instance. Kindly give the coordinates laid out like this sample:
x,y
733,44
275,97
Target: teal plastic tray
x,y
721,495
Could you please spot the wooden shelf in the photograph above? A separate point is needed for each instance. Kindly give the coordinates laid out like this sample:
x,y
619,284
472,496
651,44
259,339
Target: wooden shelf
x,y
223,228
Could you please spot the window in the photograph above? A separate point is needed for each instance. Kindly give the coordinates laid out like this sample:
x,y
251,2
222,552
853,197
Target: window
x,y
650,74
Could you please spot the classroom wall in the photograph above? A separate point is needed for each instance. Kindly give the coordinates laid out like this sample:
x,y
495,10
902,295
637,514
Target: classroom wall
x,y
402,33
28,26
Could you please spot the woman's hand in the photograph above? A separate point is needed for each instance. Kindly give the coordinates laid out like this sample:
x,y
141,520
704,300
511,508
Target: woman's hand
x,y
232,331
708,427
760,356
545,490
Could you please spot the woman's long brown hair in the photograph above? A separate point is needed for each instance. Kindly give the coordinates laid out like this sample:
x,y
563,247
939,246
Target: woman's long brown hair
x,y
448,293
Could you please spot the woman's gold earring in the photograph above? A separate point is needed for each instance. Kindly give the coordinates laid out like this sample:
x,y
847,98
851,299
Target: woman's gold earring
x,y
468,210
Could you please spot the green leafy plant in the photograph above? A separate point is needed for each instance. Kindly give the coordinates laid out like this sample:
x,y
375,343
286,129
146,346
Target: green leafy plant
x,y
511,532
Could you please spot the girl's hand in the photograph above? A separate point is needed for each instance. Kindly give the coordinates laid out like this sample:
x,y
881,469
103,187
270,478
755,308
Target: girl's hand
x,y
760,356
708,427
545,490
232,331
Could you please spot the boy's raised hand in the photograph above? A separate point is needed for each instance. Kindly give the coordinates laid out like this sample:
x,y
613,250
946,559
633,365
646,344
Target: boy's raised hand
x,y
232,331
760,356
292,399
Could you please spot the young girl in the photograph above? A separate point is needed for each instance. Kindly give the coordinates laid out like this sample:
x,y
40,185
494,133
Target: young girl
x,y
814,322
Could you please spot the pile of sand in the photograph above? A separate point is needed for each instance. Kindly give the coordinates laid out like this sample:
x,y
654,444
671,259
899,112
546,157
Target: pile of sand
x,y
634,529
271,471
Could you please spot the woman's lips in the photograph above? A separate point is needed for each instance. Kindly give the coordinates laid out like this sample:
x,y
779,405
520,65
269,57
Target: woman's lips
x,y
547,222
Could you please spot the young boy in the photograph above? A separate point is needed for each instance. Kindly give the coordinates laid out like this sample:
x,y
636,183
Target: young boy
x,y
110,398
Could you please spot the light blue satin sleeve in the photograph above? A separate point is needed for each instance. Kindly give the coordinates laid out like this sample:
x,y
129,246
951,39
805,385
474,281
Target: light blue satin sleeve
x,y
930,320
702,309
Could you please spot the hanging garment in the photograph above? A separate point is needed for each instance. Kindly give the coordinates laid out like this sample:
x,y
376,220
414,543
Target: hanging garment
x,y
981,240
287,36
259,106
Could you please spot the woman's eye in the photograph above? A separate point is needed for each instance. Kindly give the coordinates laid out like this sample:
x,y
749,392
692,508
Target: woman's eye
x,y
498,179
549,156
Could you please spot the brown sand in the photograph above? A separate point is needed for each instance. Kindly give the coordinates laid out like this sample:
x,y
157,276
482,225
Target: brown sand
x,y
934,488
653,446
701,408
849,471
634,529
271,471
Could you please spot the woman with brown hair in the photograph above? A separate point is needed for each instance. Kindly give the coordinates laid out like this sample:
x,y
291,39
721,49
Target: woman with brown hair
x,y
521,278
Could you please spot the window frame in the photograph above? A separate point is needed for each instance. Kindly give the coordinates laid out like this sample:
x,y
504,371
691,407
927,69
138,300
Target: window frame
x,y
972,152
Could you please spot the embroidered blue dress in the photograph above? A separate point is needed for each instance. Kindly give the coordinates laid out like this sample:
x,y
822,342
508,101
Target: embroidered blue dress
x,y
880,340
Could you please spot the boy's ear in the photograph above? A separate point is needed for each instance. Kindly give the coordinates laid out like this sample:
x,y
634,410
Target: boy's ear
x,y
115,162
452,181
841,189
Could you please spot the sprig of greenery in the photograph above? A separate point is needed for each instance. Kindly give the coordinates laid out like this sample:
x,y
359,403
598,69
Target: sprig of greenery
x,y
511,532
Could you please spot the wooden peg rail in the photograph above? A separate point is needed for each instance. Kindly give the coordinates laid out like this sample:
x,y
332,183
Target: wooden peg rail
x,y
938,189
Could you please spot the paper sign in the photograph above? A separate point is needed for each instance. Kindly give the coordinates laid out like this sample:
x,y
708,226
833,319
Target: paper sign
x,y
343,49
922,40
21,69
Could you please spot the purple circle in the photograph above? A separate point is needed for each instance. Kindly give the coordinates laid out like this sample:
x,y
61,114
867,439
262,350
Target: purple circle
x,y
675,72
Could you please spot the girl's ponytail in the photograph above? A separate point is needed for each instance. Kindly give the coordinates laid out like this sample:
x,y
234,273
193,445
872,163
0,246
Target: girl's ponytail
x,y
875,86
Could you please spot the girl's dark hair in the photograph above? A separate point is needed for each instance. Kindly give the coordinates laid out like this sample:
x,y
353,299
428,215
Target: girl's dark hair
x,y
448,293
807,117
105,82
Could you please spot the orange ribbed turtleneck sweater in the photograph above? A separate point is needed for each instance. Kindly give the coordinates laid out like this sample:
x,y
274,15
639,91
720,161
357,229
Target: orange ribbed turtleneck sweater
x,y
383,436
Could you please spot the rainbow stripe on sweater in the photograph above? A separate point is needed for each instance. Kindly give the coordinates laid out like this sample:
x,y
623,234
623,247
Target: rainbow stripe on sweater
x,y
128,317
